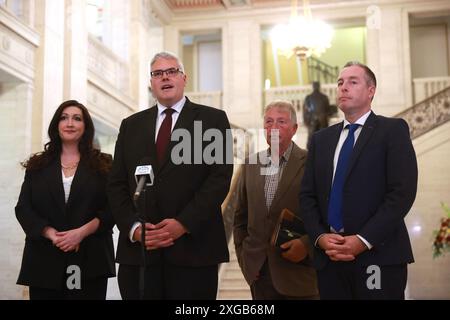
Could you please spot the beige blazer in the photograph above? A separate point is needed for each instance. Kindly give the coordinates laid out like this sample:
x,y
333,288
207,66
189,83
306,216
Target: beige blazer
x,y
254,225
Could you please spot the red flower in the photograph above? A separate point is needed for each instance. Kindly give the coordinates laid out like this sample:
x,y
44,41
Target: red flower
x,y
441,242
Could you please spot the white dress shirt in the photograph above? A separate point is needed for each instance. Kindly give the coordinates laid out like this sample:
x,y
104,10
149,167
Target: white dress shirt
x,y
159,119
67,184
344,133
177,107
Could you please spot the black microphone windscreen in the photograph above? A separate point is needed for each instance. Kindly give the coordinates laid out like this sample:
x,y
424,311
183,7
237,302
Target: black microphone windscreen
x,y
144,161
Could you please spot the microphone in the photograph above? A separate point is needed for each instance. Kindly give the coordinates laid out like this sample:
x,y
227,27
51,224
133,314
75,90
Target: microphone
x,y
144,176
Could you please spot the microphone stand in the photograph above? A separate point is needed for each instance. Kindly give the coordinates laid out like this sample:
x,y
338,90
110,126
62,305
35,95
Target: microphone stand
x,y
141,220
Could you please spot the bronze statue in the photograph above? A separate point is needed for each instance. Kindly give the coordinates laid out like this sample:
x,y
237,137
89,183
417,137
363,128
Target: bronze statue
x,y
316,111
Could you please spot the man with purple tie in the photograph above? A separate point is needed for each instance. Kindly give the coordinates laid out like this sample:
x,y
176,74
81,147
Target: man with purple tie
x,y
360,182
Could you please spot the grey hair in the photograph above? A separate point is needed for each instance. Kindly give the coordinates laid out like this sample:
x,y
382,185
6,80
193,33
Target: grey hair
x,y
166,55
370,76
283,105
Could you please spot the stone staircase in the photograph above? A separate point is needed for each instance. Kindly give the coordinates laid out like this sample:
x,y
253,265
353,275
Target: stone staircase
x,y
232,285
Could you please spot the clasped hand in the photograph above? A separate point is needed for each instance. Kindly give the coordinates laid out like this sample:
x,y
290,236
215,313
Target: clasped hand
x,y
65,241
160,235
341,248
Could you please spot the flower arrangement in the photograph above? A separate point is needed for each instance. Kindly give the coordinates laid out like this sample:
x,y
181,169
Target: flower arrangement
x,y
441,242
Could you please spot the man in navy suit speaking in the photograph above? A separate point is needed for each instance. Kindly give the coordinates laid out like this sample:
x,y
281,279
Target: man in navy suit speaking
x,y
360,182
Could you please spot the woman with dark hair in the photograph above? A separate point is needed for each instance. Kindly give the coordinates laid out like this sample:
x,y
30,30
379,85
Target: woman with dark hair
x,y
65,214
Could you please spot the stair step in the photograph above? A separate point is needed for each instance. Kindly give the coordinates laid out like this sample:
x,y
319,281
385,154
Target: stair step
x,y
233,266
233,274
240,280
237,294
234,286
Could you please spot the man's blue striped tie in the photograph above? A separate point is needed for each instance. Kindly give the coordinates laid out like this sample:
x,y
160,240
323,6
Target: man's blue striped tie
x,y
335,203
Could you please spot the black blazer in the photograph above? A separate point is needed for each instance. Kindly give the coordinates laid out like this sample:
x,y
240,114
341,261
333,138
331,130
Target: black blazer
x,y
380,188
41,203
191,193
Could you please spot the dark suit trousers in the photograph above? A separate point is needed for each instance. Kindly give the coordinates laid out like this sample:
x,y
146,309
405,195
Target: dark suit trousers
x,y
169,282
93,289
341,280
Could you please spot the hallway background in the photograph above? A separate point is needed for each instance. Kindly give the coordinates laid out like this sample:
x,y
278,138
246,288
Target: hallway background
x,y
98,52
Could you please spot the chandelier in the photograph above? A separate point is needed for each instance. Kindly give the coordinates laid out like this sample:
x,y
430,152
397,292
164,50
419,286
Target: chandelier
x,y
303,36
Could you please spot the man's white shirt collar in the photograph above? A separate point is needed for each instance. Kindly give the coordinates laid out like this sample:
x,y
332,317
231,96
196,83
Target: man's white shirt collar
x,y
177,106
360,121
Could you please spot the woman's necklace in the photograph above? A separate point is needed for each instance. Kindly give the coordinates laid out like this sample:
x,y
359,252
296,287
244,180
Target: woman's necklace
x,y
69,167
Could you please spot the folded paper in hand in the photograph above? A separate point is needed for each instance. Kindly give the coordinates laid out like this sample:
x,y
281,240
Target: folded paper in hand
x,y
288,227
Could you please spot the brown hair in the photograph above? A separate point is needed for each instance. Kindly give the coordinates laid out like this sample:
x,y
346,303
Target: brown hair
x,y
370,76
96,160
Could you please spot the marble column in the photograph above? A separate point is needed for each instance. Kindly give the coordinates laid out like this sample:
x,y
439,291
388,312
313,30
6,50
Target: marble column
x,y
145,40
49,67
116,26
242,67
75,51
15,139
242,72
386,44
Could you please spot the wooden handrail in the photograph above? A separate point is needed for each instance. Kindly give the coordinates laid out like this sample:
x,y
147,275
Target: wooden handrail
x,y
321,71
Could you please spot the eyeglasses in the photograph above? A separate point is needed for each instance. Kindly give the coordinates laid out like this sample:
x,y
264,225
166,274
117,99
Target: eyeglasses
x,y
171,72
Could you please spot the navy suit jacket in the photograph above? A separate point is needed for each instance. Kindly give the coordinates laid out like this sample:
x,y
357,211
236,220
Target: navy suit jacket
x,y
191,193
379,190
41,203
